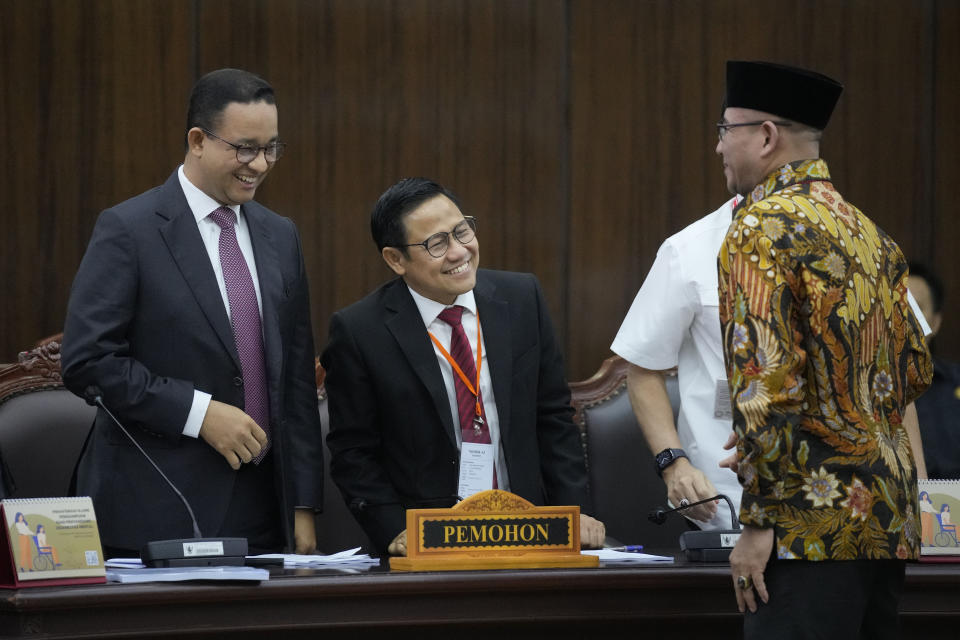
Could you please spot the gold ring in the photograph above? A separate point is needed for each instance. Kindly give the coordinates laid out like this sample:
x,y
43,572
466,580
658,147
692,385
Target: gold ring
x,y
744,582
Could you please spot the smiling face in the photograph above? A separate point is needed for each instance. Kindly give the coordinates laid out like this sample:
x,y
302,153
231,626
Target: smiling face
x,y
439,279
212,164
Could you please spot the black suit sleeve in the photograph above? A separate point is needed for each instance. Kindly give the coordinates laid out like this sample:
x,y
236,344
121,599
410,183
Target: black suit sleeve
x,y
302,419
355,440
562,467
96,350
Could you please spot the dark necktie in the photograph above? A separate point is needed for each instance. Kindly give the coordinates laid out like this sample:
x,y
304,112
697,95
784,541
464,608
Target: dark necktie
x,y
245,318
473,428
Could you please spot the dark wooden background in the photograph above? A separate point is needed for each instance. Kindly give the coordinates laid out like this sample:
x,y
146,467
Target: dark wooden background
x,y
580,132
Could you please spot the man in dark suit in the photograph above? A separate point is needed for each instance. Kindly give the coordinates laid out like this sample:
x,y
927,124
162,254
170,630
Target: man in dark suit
x,y
190,317
408,428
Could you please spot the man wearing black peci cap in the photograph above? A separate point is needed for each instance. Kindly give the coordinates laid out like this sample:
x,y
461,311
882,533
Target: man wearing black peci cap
x,y
824,355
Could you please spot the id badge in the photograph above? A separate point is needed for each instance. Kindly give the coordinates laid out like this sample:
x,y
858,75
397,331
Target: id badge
x,y
721,401
476,468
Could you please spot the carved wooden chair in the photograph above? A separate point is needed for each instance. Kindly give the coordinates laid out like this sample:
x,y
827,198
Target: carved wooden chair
x,y
623,483
42,425
43,428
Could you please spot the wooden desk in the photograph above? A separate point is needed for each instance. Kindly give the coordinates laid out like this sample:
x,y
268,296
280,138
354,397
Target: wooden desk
x,y
652,601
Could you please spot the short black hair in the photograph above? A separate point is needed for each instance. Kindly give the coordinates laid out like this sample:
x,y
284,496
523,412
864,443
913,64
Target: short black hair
x,y
920,270
217,89
386,219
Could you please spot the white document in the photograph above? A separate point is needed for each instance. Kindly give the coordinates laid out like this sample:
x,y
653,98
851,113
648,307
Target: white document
x,y
476,468
609,555
182,574
348,557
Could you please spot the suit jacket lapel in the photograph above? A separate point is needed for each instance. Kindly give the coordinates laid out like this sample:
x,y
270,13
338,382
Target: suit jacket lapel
x,y
271,288
498,341
406,324
178,228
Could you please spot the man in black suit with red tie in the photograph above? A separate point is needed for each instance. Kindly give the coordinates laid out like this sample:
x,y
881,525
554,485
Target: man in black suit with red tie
x,y
189,315
448,379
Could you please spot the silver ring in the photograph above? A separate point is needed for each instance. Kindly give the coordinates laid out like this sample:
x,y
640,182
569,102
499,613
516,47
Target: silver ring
x,y
684,502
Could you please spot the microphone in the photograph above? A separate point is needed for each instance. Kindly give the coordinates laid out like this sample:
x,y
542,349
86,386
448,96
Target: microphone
x,y
186,552
704,546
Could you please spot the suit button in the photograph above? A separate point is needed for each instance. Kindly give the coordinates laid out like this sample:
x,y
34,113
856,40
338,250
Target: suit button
x,y
238,381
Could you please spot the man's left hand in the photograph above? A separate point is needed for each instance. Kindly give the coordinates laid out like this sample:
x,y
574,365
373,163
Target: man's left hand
x,y
304,531
592,532
748,560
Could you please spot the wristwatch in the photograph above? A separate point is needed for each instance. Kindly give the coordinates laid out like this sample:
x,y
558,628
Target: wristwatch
x,y
667,457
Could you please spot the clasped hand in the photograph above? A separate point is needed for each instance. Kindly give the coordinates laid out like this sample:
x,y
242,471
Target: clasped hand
x,y
232,433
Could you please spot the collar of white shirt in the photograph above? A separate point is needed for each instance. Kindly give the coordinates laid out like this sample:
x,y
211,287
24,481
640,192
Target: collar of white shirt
x,y
430,309
201,205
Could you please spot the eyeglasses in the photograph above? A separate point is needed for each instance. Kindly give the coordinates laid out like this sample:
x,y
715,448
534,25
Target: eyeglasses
x,y
723,126
437,244
248,153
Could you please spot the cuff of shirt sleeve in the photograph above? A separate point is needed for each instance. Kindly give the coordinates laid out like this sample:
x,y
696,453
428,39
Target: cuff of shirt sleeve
x,y
198,411
758,512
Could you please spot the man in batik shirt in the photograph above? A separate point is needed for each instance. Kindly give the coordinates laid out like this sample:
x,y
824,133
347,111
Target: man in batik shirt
x,y
823,357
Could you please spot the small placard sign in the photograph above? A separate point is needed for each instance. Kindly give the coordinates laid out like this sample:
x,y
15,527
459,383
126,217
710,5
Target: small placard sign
x,y
493,530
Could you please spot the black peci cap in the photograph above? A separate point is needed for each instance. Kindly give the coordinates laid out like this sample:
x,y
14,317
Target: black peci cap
x,y
797,94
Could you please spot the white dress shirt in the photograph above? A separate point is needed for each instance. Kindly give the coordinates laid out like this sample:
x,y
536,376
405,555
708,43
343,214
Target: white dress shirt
x,y
675,322
202,205
429,310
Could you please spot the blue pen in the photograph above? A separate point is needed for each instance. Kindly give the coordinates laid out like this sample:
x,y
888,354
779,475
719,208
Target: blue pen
x,y
630,548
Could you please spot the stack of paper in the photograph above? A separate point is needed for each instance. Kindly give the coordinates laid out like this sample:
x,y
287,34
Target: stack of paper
x,y
180,574
349,557
609,555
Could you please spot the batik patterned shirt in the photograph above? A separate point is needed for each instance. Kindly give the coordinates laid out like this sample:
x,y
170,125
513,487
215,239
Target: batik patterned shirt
x,y
823,354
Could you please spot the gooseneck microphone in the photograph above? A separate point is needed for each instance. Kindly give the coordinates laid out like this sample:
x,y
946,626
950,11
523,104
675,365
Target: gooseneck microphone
x,y
94,398
659,515
196,551
704,546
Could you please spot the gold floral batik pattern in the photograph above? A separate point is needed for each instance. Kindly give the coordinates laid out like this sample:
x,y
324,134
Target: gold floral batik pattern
x,y
823,354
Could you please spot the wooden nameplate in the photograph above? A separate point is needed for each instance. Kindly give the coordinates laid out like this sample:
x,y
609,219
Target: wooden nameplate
x,y
493,530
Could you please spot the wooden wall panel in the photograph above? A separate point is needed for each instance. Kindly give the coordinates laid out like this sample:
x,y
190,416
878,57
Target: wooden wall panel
x,y
469,93
942,219
579,131
646,84
90,91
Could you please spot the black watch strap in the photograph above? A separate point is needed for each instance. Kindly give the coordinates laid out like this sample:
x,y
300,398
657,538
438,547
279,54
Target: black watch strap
x,y
666,458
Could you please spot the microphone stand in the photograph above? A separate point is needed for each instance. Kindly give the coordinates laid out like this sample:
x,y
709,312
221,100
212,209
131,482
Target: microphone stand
x,y
188,552
704,546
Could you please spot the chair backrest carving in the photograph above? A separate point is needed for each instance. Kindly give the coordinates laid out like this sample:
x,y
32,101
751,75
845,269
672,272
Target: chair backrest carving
x,y
42,425
623,484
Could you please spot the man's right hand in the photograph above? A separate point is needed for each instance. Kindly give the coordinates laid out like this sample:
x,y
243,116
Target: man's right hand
x,y
686,482
399,545
232,433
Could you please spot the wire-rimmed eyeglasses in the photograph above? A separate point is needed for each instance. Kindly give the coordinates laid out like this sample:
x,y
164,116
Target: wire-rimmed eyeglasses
x,y
723,126
437,244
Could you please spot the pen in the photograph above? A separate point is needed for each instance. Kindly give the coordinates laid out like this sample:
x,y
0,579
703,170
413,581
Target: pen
x,y
630,548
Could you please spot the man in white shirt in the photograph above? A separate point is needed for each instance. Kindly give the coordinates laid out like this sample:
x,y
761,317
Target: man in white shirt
x,y
675,322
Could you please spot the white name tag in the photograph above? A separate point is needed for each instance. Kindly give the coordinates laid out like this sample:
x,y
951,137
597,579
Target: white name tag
x,y
721,401
213,548
729,539
476,468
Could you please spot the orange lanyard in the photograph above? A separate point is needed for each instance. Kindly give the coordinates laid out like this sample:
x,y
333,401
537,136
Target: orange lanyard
x,y
475,390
